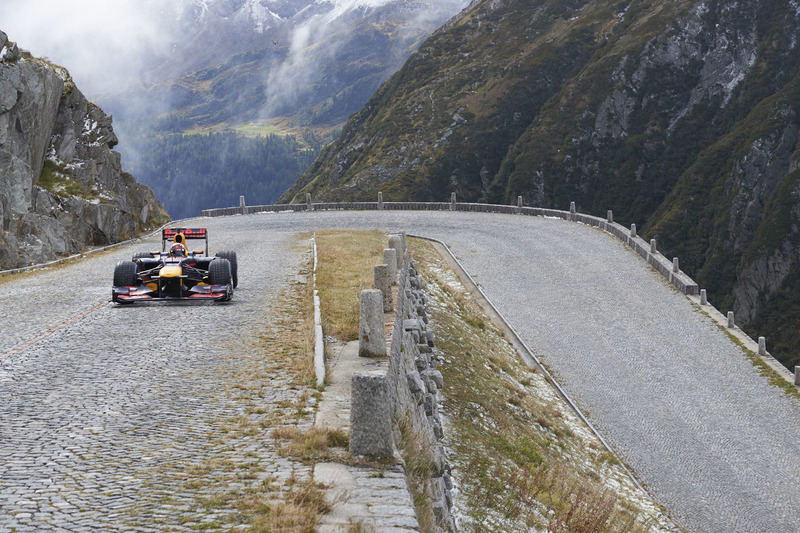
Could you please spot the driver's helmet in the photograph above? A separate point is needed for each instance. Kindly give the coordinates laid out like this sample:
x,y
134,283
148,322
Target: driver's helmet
x,y
177,250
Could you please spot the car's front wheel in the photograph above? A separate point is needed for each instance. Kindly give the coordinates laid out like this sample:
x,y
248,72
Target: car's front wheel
x,y
219,272
125,274
231,256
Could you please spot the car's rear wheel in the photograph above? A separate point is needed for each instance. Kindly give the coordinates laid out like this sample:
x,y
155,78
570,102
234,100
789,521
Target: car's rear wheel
x,y
219,272
231,256
125,274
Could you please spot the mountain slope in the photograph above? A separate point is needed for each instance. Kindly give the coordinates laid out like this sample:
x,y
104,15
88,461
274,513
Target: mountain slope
x,y
263,67
681,116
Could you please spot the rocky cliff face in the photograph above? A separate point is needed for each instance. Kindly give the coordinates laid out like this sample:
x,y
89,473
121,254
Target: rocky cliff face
x,y
681,116
62,188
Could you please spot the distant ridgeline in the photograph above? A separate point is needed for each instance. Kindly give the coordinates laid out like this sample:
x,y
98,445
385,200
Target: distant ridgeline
x,y
682,117
62,188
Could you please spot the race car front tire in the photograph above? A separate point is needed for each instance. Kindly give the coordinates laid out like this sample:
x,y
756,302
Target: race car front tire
x,y
219,272
125,274
231,256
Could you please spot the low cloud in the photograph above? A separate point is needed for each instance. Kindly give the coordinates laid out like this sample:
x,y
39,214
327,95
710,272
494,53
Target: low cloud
x,y
104,44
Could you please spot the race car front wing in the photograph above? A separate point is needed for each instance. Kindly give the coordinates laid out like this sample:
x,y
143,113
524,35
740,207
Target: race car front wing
x,y
198,292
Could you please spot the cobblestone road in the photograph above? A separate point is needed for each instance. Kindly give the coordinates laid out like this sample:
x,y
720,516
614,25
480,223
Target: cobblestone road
x,y
99,420
138,418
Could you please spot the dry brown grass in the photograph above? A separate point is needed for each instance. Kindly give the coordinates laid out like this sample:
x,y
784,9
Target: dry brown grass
x,y
346,259
300,511
313,446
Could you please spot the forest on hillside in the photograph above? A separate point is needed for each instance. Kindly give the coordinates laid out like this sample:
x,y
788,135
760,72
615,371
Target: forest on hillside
x,y
192,172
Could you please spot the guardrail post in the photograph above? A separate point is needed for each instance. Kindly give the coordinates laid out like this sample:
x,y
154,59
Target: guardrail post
x,y
633,231
653,246
519,204
370,414
675,267
380,201
396,242
703,297
308,200
390,258
383,283
610,216
452,201
371,331
241,203
762,346
797,375
731,321
572,208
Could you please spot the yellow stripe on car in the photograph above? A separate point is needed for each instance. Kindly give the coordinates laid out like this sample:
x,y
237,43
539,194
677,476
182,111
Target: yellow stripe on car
x,y
170,272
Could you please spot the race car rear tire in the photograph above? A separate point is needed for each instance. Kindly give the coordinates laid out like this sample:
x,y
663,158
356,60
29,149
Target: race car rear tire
x,y
125,274
219,272
231,256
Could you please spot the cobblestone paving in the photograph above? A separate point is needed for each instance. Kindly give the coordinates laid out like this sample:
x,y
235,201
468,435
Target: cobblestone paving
x,y
106,422
140,418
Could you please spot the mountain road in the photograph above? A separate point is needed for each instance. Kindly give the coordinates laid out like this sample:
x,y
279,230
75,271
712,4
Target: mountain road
x,y
95,396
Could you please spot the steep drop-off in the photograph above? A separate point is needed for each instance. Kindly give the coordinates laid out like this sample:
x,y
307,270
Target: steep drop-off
x,y
61,186
681,116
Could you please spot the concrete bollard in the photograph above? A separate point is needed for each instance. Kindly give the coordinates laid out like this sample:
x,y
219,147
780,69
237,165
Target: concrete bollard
x,y
519,204
675,267
241,203
452,201
370,415
380,201
308,200
653,248
572,208
384,284
390,258
703,297
396,242
633,230
731,322
797,375
610,216
762,346
371,328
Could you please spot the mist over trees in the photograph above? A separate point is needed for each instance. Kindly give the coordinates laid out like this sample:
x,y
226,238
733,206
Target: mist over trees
x,y
193,172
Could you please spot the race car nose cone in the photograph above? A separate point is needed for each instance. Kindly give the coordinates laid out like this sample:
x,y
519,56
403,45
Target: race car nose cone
x,y
170,271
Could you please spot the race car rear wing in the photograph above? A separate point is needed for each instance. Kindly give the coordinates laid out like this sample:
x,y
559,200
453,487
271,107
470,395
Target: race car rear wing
x,y
181,235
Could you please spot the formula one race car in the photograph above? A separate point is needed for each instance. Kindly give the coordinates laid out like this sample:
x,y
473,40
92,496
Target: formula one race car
x,y
176,274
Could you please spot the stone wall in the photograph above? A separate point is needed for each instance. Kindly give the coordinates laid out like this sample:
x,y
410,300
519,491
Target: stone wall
x,y
401,396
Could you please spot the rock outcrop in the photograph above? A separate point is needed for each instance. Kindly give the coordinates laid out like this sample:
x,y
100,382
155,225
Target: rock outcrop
x,y
62,188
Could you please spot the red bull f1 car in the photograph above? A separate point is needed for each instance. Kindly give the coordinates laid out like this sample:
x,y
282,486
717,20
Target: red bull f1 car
x,y
176,274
